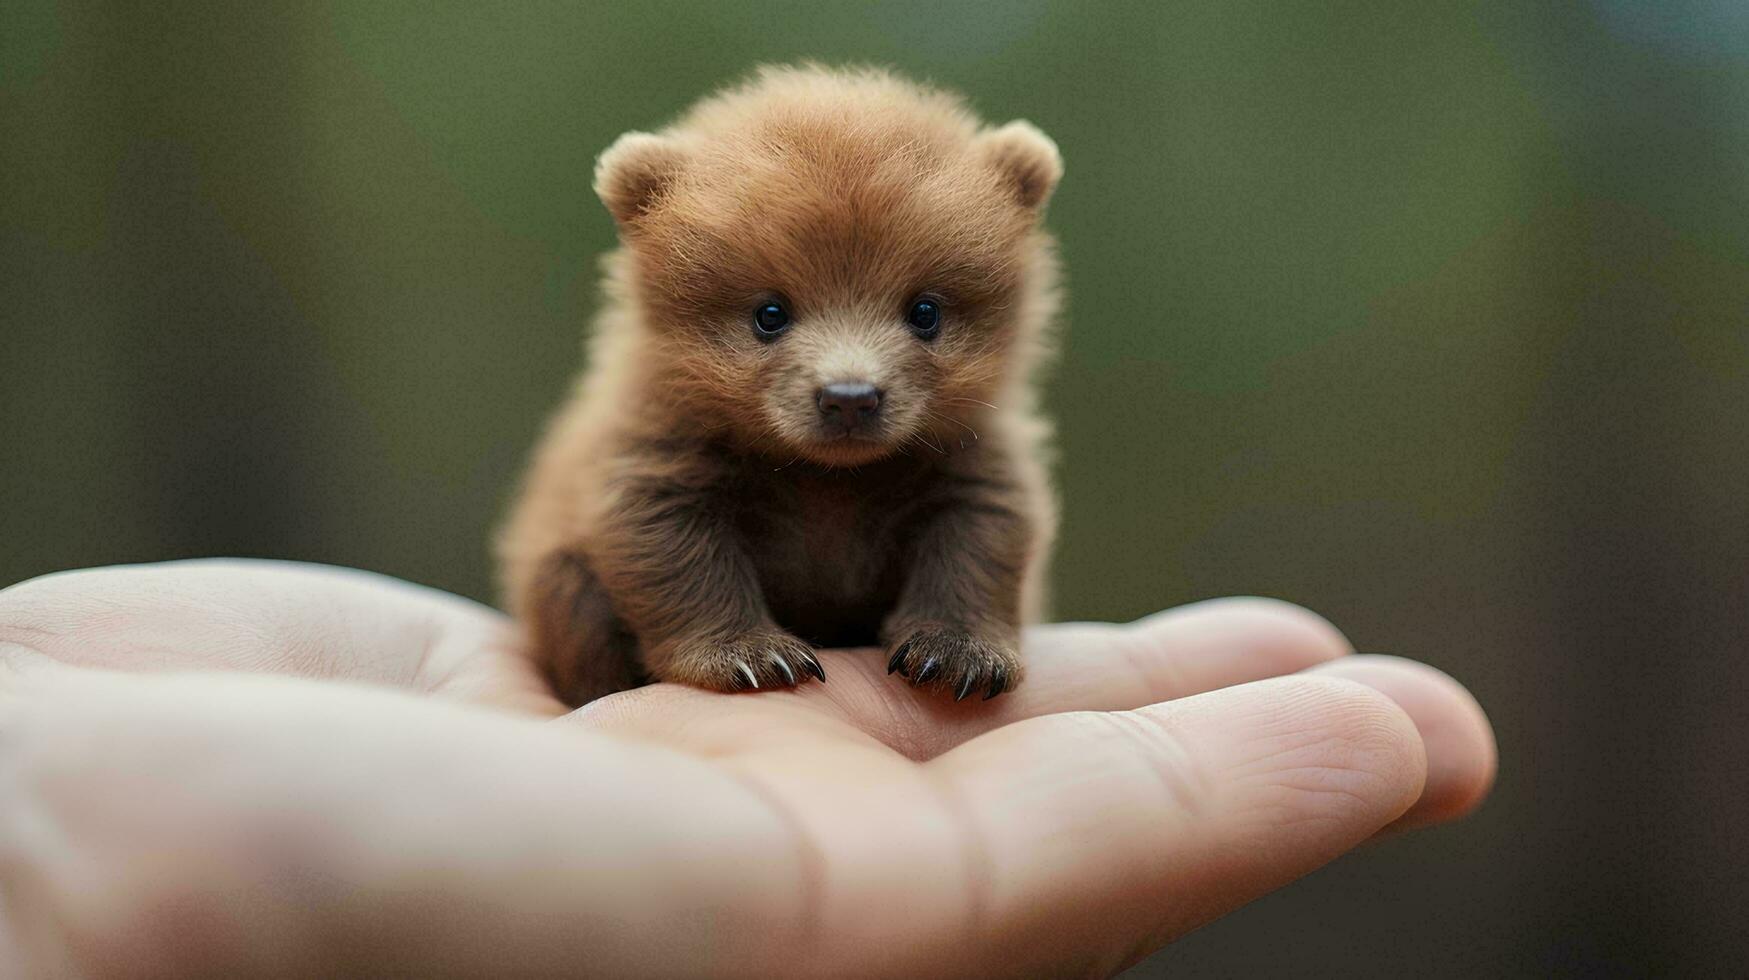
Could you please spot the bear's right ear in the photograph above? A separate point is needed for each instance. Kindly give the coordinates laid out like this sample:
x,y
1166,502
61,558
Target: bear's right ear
x,y
631,173
1026,159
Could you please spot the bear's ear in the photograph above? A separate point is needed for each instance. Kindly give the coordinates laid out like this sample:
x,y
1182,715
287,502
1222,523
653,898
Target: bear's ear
x,y
633,171
1026,158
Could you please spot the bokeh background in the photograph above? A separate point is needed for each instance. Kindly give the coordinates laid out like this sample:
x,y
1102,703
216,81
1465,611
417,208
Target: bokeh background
x,y
1431,316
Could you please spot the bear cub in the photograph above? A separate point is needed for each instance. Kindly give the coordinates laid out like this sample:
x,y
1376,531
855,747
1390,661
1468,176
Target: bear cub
x,y
808,417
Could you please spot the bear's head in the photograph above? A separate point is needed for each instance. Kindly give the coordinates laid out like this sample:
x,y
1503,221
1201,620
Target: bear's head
x,y
836,265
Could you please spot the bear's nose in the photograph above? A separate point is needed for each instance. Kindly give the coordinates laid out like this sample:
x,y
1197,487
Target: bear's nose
x,y
849,404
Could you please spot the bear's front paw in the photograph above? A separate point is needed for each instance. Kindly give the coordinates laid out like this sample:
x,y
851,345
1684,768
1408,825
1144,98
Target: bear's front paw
x,y
761,658
954,659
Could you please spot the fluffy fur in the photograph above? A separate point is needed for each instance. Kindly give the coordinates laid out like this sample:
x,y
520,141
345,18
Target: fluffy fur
x,y
686,517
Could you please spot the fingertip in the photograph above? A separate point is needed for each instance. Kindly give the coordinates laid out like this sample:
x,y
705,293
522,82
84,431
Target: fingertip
x,y
1462,756
1343,741
1275,635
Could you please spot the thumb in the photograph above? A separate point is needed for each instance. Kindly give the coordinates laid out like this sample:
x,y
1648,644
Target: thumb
x,y
1109,834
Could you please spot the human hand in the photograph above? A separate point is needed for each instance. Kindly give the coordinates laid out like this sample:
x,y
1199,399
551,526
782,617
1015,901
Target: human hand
x,y
1146,780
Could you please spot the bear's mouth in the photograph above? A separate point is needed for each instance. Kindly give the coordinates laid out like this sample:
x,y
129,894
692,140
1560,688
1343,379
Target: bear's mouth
x,y
876,431
852,448
853,436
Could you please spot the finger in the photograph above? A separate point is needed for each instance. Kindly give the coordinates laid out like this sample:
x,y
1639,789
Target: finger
x,y
1200,647
271,617
1101,836
1461,755
1203,646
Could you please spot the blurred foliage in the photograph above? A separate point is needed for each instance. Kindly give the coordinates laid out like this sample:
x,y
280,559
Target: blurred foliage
x,y
1433,317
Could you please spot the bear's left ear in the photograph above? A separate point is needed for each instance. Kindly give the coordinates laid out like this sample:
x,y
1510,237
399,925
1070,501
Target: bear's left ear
x,y
632,173
1026,158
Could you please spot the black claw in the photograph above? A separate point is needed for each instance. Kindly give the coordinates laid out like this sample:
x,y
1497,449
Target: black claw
x,y
998,684
930,668
898,656
965,689
813,665
789,676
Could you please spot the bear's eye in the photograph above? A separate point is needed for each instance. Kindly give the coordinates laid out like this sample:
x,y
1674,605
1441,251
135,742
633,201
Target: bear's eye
x,y
924,317
770,320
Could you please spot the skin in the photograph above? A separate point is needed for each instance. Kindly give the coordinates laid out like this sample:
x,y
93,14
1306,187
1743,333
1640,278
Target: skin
x,y
226,768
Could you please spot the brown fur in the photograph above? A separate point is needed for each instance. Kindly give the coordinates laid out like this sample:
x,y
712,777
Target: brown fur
x,y
684,518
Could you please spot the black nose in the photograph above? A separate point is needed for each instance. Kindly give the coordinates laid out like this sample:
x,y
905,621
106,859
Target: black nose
x,y
849,405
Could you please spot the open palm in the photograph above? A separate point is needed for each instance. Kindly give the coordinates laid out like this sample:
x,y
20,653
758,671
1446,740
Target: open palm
x,y
1146,779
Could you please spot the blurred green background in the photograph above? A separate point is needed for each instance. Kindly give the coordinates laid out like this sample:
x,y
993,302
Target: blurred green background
x,y
1431,316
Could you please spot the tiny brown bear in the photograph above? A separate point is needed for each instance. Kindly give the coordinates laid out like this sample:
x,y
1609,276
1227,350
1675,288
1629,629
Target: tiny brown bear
x,y
808,417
